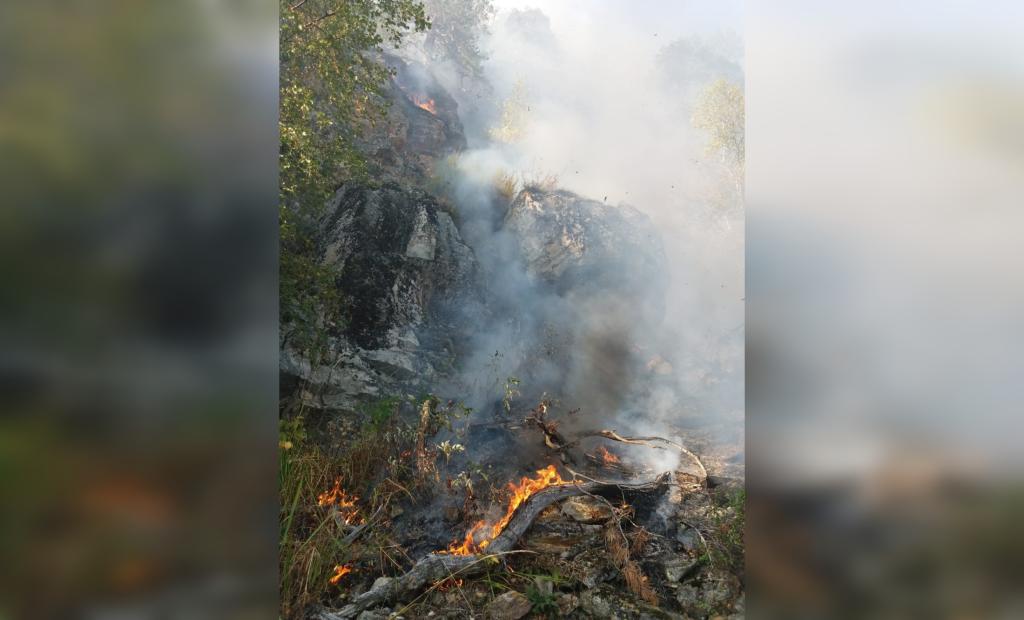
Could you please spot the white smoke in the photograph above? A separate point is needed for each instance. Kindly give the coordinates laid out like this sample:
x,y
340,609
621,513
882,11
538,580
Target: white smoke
x,y
603,118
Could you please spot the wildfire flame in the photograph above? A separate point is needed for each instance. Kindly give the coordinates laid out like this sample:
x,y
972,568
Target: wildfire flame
x,y
449,583
425,103
345,503
520,493
339,572
606,456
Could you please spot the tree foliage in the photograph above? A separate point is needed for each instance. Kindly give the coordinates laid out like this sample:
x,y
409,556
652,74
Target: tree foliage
x,y
720,112
456,28
331,79
691,63
511,127
329,84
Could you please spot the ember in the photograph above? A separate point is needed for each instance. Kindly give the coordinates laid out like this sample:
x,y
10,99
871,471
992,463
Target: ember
x,y
345,503
449,583
607,457
527,487
339,572
424,103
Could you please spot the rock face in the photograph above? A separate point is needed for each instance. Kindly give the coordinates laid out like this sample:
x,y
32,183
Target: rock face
x,y
411,287
421,128
601,270
588,248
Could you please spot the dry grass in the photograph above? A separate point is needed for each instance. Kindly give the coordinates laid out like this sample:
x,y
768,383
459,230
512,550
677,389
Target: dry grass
x,y
540,181
619,550
309,544
640,540
506,184
312,537
637,582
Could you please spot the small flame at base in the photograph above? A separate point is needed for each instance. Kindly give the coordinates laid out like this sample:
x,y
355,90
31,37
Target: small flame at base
x,y
425,103
346,503
449,583
339,572
607,457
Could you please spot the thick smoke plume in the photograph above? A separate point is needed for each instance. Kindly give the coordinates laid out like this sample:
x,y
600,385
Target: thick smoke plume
x,y
598,101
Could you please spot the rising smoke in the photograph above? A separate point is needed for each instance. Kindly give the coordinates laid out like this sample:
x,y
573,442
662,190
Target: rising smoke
x,y
605,98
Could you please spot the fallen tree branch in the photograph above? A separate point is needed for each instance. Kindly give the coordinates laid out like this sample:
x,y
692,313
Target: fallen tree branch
x,y
646,441
439,566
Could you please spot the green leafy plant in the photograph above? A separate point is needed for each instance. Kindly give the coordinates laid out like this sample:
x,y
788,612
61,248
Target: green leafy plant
x,y
511,391
544,603
725,539
379,413
331,80
448,448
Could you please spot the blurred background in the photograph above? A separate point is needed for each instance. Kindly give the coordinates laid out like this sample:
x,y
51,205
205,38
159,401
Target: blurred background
x,y
138,321
885,163
138,157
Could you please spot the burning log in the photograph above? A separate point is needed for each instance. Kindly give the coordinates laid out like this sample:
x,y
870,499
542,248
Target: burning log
x,y
439,567
521,492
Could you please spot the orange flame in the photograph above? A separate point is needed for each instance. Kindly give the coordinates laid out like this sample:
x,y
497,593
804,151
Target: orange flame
x,y
606,456
520,493
449,583
339,572
346,503
425,103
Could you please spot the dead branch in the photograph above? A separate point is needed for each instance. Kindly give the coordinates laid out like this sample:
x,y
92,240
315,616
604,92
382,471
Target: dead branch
x,y
552,437
439,566
646,441
424,461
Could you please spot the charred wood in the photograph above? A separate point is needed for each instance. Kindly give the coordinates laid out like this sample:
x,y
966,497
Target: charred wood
x,y
438,567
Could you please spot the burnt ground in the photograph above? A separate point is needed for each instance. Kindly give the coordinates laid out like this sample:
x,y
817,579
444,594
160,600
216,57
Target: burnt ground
x,y
683,543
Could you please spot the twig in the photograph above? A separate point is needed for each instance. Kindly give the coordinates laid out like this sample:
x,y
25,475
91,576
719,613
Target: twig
x,y
355,533
704,542
451,575
644,441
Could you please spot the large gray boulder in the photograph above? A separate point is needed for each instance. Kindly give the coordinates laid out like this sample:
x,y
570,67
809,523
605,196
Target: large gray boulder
x,y
591,252
411,289
598,278
586,248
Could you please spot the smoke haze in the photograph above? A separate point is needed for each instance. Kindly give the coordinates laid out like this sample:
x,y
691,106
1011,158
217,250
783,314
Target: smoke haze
x,y
606,95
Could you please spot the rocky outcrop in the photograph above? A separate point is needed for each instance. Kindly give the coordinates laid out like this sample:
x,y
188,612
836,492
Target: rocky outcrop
x,y
411,288
600,270
586,248
416,299
420,129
